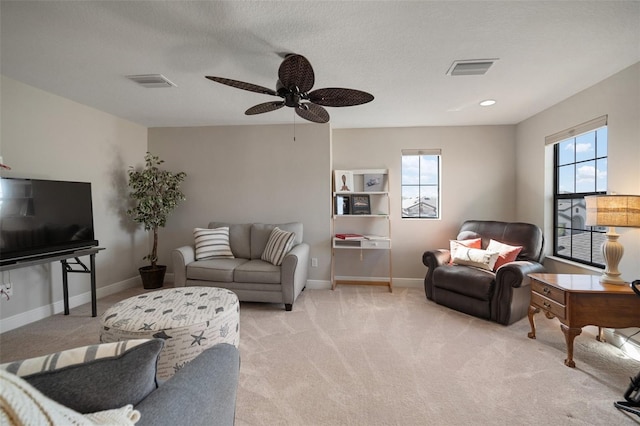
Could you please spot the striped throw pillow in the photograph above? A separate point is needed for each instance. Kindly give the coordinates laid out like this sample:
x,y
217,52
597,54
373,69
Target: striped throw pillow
x,y
279,244
70,357
212,243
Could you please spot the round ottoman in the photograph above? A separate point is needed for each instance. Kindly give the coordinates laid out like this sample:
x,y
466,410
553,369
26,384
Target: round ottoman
x,y
189,319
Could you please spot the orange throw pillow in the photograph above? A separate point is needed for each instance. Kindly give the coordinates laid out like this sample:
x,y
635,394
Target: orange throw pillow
x,y
506,253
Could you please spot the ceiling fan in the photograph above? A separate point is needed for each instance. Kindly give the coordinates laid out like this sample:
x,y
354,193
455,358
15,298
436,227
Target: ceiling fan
x,y
295,80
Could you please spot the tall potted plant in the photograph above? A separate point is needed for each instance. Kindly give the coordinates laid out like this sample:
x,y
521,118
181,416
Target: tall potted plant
x,y
155,194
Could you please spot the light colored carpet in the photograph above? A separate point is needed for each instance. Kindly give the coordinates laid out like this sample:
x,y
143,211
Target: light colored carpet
x,y
363,356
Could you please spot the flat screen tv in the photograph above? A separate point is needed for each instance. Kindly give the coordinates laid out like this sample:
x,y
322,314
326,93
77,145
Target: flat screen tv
x,y
43,217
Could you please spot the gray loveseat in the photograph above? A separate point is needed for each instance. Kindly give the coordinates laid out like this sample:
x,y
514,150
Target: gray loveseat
x,y
246,274
112,375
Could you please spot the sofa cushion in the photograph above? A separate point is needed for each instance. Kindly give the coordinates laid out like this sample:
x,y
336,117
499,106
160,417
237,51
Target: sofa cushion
x,y
257,271
261,232
475,257
212,243
239,237
94,378
506,253
278,246
213,269
473,282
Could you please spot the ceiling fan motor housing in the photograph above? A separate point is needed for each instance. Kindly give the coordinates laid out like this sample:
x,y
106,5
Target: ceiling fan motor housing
x,y
294,84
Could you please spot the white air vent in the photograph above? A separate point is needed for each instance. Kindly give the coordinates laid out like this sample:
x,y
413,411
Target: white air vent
x,y
151,80
470,67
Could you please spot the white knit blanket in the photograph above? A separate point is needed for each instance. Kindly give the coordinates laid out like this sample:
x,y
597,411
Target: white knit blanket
x,y
22,404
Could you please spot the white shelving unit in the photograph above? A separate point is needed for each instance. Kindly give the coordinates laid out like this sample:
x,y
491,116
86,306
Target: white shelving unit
x,y
371,229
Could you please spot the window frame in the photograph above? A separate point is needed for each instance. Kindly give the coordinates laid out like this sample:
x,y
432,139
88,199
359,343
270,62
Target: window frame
x,y
590,127
437,153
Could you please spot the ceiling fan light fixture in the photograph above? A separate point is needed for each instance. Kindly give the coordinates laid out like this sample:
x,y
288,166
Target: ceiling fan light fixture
x,y
151,81
470,67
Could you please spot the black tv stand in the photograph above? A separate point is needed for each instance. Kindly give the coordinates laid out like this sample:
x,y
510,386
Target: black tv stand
x,y
67,266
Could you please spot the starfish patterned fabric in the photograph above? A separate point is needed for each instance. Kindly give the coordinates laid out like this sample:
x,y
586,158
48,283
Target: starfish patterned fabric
x,y
188,319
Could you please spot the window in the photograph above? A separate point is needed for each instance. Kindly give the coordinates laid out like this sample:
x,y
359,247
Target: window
x,y
421,184
580,169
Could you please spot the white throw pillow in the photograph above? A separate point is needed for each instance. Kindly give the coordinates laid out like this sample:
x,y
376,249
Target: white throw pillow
x,y
471,243
212,243
279,244
23,404
506,253
475,257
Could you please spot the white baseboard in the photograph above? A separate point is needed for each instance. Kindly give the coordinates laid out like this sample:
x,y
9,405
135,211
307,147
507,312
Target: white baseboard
x,y
397,282
624,340
56,307
319,285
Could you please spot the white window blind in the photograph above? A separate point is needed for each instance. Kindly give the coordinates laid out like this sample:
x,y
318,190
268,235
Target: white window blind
x,y
572,132
421,152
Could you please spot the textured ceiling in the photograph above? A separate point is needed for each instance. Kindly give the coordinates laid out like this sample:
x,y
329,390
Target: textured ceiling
x,y
397,50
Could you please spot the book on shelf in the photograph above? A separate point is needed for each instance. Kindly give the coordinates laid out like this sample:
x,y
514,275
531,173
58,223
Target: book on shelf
x,y
375,237
349,236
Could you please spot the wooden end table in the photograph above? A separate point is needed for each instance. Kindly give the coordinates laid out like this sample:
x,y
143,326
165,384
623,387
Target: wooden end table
x,y
580,300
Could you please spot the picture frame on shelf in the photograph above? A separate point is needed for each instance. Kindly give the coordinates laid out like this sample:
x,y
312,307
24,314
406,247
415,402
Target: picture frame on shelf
x,y
374,182
360,204
343,181
342,204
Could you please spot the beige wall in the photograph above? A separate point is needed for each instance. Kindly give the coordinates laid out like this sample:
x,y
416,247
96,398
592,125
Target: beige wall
x,y
249,174
46,136
478,171
619,98
258,173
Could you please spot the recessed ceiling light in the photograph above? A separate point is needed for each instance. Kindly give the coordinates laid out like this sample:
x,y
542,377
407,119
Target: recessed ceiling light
x,y
487,102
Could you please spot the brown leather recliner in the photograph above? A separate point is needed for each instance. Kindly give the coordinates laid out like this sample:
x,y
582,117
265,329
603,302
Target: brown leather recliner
x,y
502,296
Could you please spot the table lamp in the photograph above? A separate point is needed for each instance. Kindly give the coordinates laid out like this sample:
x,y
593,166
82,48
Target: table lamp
x,y
612,211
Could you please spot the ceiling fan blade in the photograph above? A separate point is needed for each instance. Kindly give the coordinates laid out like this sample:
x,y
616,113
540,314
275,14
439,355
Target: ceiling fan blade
x,y
296,71
242,85
339,97
312,112
265,107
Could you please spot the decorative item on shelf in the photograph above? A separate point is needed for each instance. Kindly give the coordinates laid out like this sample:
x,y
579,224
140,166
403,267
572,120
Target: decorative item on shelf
x,y
374,182
343,181
343,204
360,204
612,211
155,193
349,236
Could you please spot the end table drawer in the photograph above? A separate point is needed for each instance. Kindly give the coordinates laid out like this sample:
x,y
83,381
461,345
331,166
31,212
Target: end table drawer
x,y
548,291
552,306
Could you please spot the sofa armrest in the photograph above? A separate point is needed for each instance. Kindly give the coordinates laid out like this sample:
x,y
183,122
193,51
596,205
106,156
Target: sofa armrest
x,y
435,258
182,256
516,274
294,273
432,259
203,392
512,295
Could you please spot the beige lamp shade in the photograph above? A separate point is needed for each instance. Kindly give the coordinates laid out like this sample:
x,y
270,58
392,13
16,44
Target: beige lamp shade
x,y
613,210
